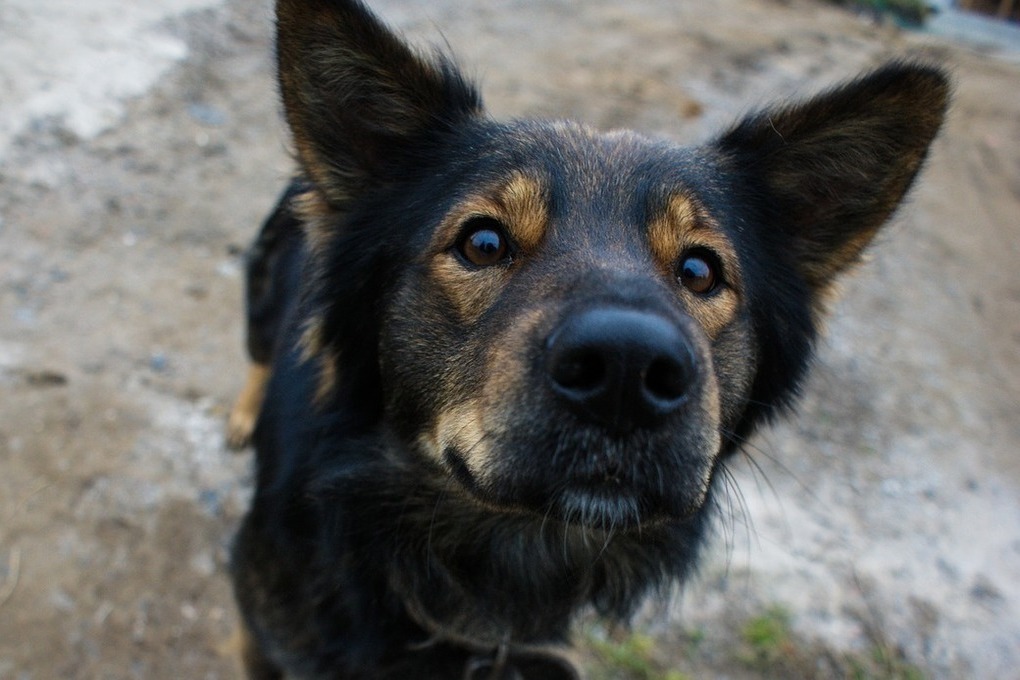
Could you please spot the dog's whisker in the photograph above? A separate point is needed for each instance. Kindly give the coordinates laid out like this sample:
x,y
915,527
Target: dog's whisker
x,y
761,474
737,509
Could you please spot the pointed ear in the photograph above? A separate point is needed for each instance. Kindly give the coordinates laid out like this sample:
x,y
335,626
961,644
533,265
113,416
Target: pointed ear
x,y
833,169
356,97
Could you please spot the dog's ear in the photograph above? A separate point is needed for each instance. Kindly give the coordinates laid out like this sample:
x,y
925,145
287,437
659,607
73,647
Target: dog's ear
x,y
832,170
358,100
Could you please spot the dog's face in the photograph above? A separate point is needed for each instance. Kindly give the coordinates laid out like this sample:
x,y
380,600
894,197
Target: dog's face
x,y
567,323
568,335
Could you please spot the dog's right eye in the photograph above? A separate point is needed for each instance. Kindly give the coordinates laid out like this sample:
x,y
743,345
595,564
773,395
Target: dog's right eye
x,y
483,242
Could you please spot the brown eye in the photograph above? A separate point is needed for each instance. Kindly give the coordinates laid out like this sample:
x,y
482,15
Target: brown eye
x,y
484,243
699,272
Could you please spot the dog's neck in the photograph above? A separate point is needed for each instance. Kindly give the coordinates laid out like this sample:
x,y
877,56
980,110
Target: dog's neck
x,y
467,572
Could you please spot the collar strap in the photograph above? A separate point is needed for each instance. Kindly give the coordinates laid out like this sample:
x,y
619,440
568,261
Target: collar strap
x,y
521,662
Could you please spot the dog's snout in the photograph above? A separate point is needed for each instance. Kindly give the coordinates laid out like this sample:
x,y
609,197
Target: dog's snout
x,y
622,368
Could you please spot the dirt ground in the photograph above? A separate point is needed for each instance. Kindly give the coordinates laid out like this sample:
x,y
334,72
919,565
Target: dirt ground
x,y
879,527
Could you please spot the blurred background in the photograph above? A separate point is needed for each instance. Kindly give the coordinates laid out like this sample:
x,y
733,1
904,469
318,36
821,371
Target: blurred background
x,y
875,534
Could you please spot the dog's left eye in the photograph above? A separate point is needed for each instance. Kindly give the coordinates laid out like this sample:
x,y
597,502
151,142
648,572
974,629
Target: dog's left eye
x,y
699,272
483,242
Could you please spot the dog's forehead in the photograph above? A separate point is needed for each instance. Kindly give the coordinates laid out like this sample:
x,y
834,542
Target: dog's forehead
x,y
581,167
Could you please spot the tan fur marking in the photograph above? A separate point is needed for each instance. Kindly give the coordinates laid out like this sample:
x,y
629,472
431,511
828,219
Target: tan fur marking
x,y
316,216
521,205
524,206
684,225
328,369
474,425
460,427
253,662
710,407
245,412
506,374
470,292
313,348
311,341
668,233
317,219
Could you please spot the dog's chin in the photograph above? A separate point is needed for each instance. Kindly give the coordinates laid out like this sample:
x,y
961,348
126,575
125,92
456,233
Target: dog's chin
x,y
608,506
615,509
604,509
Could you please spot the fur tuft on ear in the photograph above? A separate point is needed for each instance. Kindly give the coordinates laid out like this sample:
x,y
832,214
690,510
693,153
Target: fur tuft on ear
x,y
833,169
358,100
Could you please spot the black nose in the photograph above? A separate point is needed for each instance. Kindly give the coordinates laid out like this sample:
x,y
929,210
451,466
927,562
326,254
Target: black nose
x,y
621,368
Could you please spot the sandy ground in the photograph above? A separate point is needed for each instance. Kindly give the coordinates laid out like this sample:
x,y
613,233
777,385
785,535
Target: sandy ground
x,y
141,144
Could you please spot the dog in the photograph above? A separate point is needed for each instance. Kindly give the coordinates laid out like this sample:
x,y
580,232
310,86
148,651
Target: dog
x,y
498,367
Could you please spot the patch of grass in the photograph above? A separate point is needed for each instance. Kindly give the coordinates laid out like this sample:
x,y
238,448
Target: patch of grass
x,y
768,640
631,657
748,645
770,648
882,663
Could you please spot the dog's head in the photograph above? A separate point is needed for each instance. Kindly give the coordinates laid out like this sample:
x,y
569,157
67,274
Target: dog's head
x,y
568,323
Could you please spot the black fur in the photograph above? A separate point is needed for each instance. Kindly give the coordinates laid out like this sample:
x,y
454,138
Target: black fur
x,y
369,552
